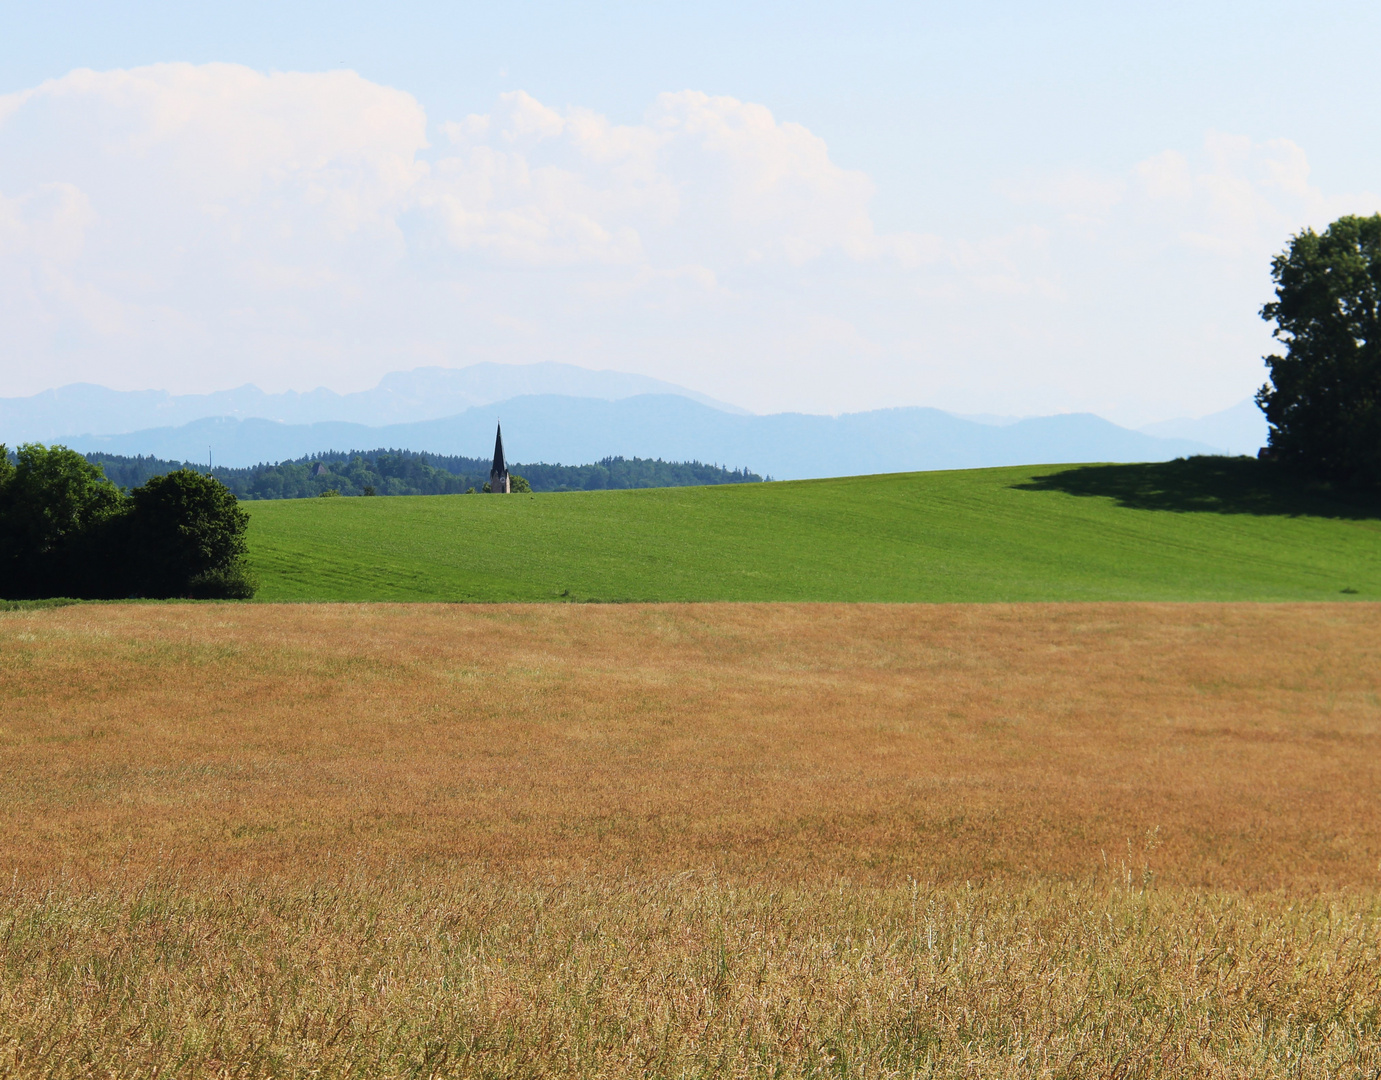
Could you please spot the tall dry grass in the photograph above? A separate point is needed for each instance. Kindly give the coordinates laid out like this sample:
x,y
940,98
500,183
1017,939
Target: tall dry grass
x,y
479,975
729,840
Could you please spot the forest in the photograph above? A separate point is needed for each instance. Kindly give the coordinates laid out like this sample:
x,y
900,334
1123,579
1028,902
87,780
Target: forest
x,y
406,472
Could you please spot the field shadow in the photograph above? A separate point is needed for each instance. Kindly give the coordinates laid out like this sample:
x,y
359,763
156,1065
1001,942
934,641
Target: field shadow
x,y
1211,485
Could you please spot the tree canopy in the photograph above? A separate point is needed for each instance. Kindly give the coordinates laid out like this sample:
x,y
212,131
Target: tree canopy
x,y
189,533
1323,402
57,524
66,530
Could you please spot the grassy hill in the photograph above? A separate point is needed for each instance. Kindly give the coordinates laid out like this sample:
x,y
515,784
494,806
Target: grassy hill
x,y
1202,529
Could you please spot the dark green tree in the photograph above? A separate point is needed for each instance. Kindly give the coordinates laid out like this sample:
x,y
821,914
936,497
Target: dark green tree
x,y
1323,402
59,525
187,535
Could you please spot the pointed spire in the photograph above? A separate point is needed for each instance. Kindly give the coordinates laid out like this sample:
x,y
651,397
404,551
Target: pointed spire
x,y
500,466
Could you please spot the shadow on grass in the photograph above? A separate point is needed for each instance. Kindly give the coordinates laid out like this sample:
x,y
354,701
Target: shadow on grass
x,y
1212,485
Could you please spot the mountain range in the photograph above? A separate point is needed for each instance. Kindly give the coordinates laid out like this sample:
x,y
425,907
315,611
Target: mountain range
x,y
1238,430
571,415
553,429
402,397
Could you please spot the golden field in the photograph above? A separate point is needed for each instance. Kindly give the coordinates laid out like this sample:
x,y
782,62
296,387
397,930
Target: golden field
x,y
970,840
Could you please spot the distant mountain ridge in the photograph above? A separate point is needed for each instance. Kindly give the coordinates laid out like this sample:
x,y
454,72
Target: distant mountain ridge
x,y
571,430
401,397
1241,429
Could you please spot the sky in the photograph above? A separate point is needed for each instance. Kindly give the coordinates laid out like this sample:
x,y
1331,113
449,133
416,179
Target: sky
x,y
985,207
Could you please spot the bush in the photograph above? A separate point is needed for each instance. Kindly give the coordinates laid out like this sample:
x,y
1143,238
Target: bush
x,y
227,583
518,485
188,533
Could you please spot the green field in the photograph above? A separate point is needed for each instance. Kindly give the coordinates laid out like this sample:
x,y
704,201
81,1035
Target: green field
x,y
1203,529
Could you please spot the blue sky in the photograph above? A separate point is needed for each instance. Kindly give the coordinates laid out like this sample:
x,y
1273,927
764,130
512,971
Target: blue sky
x,y
986,207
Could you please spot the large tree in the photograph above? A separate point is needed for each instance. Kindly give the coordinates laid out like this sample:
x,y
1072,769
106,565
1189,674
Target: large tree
x,y
1324,398
188,536
65,530
59,516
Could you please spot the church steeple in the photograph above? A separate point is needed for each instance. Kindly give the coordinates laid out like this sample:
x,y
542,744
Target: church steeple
x,y
498,475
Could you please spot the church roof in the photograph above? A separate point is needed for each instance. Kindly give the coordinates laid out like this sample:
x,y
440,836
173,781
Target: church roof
x,y
500,466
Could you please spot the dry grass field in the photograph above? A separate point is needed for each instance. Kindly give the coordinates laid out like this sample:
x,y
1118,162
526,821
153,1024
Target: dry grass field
x,y
779,840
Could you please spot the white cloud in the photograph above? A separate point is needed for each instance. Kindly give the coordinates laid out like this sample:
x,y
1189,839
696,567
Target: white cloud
x,y
290,225
193,227
702,181
50,221
1233,197
1160,272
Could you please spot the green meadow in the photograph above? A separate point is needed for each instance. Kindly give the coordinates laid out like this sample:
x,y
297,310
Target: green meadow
x,y
1202,529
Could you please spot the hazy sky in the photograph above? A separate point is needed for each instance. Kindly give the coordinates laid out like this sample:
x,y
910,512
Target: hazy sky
x,y
827,207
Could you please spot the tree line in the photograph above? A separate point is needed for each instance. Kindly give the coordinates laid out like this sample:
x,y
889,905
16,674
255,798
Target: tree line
x,y
403,472
67,530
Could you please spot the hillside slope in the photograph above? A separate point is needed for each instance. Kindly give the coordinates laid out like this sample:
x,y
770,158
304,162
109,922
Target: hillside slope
x,y
1204,529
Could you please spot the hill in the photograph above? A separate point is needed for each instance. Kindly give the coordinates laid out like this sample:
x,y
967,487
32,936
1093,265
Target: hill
x,y
1202,529
788,446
